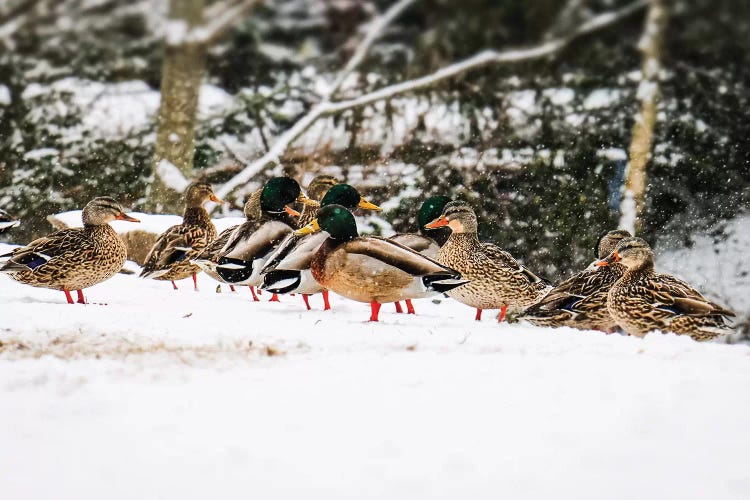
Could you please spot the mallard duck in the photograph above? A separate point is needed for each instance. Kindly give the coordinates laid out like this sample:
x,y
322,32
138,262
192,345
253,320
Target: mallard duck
x,y
428,241
169,258
75,258
372,269
247,249
288,269
316,190
581,300
496,279
7,221
208,258
642,301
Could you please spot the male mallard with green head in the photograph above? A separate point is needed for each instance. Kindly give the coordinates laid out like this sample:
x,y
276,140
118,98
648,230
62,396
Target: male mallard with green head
x,y
240,260
496,279
642,301
428,241
74,258
372,269
581,300
288,269
170,257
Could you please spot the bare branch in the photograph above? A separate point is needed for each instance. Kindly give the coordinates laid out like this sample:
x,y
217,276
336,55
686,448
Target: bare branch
x,y
479,60
374,30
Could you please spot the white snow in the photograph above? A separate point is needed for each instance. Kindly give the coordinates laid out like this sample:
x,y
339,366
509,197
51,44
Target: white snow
x,y
37,154
628,211
152,223
171,176
212,395
5,98
601,98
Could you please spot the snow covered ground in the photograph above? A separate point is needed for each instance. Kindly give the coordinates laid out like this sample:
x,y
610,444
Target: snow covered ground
x,y
163,394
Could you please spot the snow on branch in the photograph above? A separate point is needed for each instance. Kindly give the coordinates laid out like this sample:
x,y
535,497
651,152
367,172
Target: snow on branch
x,y
374,29
484,58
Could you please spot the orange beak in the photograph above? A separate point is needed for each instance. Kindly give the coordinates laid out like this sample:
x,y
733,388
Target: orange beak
x,y
611,258
291,211
439,222
124,216
216,199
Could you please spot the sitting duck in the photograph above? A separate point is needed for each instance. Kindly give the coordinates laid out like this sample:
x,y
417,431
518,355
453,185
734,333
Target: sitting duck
x,y
73,258
372,269
170,257
497,280
581,300
642,301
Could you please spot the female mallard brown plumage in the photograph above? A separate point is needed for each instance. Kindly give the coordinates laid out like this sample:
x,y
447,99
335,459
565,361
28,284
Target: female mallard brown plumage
x,y
170,257
75,258
642,301
287,270
372,269
7,221
496,279
240,260
428,241
316,190
581,300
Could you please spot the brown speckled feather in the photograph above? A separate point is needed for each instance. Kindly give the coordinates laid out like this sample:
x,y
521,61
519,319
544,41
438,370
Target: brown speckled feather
x,y
79,258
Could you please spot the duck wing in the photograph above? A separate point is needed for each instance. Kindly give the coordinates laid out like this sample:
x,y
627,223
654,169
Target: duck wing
x,y
176,244
674,295
42,250
416,242
397,255
506,260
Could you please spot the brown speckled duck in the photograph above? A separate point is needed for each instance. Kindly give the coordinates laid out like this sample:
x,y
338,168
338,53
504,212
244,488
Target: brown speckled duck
x,y
581,300
75,258
642,301
169,258
496,279
372,269
316,190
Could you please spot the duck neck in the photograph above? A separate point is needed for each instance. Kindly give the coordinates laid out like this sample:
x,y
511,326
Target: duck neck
x,y
196,216
464,241
646,269
439,235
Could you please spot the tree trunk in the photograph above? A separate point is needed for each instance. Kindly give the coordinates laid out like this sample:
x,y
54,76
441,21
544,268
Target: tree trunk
x,y
651,44
182,74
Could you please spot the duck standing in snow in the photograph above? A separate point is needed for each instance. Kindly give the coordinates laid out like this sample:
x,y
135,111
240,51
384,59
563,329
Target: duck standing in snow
x,y
642,301
581,300
170,257
74,258
240,260
7,221
288,269
496,279
428,241
372,269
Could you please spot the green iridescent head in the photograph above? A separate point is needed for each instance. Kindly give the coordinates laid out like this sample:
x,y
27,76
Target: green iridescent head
x,y
431,209
336,220
346,196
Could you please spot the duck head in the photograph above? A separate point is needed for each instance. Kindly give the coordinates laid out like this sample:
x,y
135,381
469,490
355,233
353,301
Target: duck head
x,y
279,192
633,253
102,210
336,220
608,241
199,193
431,209
348,197
458,216
320,185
